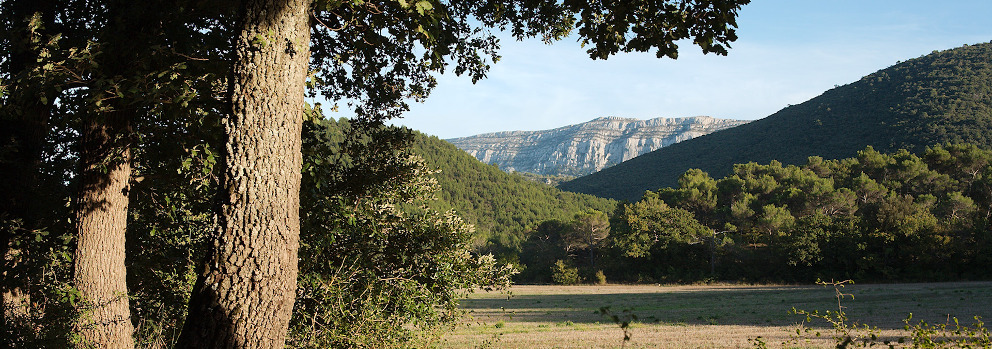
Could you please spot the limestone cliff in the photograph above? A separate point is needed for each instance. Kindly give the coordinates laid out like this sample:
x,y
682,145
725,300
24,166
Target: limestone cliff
x,y
588,147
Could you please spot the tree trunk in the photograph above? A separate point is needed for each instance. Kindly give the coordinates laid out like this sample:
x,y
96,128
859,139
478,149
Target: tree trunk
x,y
100,274
244,297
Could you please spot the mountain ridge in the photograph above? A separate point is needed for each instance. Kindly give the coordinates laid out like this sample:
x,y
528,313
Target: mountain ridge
x,y
585,147
942,97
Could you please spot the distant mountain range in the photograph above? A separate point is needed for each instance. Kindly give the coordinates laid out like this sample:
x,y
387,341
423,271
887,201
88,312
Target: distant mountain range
x,y
942,97
588,147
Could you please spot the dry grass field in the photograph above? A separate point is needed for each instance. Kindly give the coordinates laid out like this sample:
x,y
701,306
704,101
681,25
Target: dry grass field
x,y
720,316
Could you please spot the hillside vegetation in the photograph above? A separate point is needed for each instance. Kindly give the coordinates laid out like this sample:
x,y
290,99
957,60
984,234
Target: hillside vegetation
x,y
942,97
875,217
879,217
497,203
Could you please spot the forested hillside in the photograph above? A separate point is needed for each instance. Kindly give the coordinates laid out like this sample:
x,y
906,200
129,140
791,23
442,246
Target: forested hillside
x,y
941,97
497,203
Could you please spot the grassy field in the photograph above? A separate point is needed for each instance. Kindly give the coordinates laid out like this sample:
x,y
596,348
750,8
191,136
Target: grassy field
x,y
723,316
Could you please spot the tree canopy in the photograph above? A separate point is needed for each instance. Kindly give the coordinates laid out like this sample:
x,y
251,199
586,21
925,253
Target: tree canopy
x,y
885,217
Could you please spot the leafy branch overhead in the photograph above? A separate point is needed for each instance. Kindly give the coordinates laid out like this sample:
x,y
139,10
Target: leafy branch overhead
x,y
379,54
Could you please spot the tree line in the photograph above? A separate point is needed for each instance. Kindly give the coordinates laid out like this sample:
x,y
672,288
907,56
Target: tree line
x,y
874,217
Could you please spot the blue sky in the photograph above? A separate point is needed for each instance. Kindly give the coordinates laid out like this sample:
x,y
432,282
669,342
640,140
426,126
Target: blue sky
x,y
788,51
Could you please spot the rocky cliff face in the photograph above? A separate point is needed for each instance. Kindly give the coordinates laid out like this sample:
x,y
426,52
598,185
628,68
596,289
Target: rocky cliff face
x,y
587,147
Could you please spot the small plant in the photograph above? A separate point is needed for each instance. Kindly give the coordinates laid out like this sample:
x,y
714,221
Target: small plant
x,y
846,333
921,335
758,342
491,342
949,336
624,319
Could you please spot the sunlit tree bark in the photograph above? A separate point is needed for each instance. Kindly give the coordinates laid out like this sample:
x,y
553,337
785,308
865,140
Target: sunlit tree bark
x,y
244,297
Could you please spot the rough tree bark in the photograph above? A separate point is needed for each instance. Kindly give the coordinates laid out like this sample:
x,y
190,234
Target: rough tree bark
x,y
100,273
244,297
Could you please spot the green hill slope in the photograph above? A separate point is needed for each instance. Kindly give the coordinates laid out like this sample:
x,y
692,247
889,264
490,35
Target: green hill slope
x,y
941,97
497,203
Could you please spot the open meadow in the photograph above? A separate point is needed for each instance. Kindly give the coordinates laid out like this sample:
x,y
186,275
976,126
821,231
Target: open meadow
x,y
710,316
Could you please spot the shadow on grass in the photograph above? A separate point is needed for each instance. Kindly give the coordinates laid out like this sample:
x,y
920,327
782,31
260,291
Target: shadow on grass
x,y
885,306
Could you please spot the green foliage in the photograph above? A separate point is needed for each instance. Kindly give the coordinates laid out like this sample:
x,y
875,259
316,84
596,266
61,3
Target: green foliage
x,y
503,207
845,332
938,98
649,225
588,229
624,319
378,71
552,180
390,268
949,336
581,243
563,273
64,69
379,266
49,258
544,246
600,277
880,217
919,335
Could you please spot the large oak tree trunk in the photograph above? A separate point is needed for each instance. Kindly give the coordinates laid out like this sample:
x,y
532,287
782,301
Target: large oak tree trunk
x,y
100,273
244,297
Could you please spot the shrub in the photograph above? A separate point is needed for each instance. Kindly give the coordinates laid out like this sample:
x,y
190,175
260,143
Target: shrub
x,y
563,273
600,278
